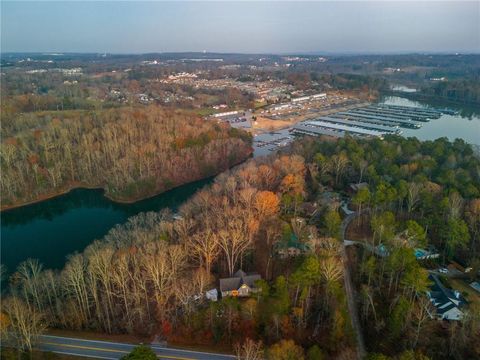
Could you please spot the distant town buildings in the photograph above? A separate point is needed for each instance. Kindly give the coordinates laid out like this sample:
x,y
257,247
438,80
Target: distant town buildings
x,y
227,113
310,97
182,75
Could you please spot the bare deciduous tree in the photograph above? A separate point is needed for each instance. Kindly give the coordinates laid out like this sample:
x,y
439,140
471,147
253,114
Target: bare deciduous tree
x,y
249,350
25,322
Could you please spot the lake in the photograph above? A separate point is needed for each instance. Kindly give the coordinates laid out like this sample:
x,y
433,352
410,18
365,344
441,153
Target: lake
x,y
52,229
450,126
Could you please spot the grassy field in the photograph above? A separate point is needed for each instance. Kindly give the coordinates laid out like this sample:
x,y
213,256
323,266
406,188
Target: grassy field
x,y
205,111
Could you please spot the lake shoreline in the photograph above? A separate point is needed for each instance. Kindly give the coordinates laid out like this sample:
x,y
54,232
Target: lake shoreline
x,y
50,196
74,186
105,194
433,101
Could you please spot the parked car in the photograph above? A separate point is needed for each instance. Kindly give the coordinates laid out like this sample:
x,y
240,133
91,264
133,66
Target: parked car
x,y
443,270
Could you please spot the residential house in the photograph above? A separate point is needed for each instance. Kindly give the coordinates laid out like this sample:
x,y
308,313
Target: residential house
x,y
448,302
241,284
292,247
354,187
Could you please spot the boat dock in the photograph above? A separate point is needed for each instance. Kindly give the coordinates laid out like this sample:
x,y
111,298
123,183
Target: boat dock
x,y
431,112
370,110
352,114
316,127
368,121
409,111
376,120
392,129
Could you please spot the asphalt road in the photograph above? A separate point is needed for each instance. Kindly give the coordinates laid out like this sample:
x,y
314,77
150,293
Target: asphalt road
x,y
113,351
352,307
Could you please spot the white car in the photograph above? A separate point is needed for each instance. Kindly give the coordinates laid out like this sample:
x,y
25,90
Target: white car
x,y
443,270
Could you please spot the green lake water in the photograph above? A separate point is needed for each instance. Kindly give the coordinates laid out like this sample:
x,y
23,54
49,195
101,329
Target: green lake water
x,y
52,229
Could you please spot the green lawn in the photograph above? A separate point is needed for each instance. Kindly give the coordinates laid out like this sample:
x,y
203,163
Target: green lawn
x,y
206,111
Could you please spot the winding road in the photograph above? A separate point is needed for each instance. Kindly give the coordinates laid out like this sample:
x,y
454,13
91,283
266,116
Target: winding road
x,y
114,350
352,307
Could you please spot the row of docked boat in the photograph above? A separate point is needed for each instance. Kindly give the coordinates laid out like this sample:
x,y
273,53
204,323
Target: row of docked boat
x,y
370,121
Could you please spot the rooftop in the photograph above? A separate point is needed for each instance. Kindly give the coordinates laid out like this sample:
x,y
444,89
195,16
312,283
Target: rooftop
x,y
238,279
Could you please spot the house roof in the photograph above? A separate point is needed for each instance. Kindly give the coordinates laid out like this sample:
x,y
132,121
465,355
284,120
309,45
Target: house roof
x,y
356,187
293,242
240,273
240,278
443,298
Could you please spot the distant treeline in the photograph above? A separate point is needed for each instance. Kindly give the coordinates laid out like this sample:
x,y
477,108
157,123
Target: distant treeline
x,y
461,91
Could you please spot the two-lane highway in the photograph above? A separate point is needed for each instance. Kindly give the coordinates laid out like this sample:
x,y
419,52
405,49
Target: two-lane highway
x,y
114,351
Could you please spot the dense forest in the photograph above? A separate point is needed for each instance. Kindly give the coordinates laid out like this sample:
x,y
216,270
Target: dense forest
x,y
419,195
130,152
148,276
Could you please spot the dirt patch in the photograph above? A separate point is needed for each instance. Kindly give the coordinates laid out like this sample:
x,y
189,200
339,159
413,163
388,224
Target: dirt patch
x,y
264,123
359,229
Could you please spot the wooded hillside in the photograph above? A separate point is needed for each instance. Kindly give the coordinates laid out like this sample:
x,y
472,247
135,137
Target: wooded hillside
x,y
130,152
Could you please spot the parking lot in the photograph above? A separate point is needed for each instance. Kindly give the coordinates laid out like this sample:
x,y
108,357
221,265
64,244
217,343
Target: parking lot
x,y
240,120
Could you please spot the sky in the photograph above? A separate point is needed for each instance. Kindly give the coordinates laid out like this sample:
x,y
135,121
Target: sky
x,y
241,27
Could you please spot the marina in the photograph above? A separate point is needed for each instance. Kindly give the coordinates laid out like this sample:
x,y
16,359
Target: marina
x,y
316,127
401,122
366,111
432,112
374,120
366,121
360,124
395,116
371,110
412,113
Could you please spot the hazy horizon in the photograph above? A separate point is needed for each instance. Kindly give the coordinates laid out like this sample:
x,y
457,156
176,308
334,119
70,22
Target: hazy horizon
x,y
308,28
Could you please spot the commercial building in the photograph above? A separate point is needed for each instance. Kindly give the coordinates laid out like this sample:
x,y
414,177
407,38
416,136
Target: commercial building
x,y
310,97
227,113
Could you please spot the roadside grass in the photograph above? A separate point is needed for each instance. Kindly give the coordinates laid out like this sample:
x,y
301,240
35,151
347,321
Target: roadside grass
x,y
260,104
8,353
218,349
90,335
